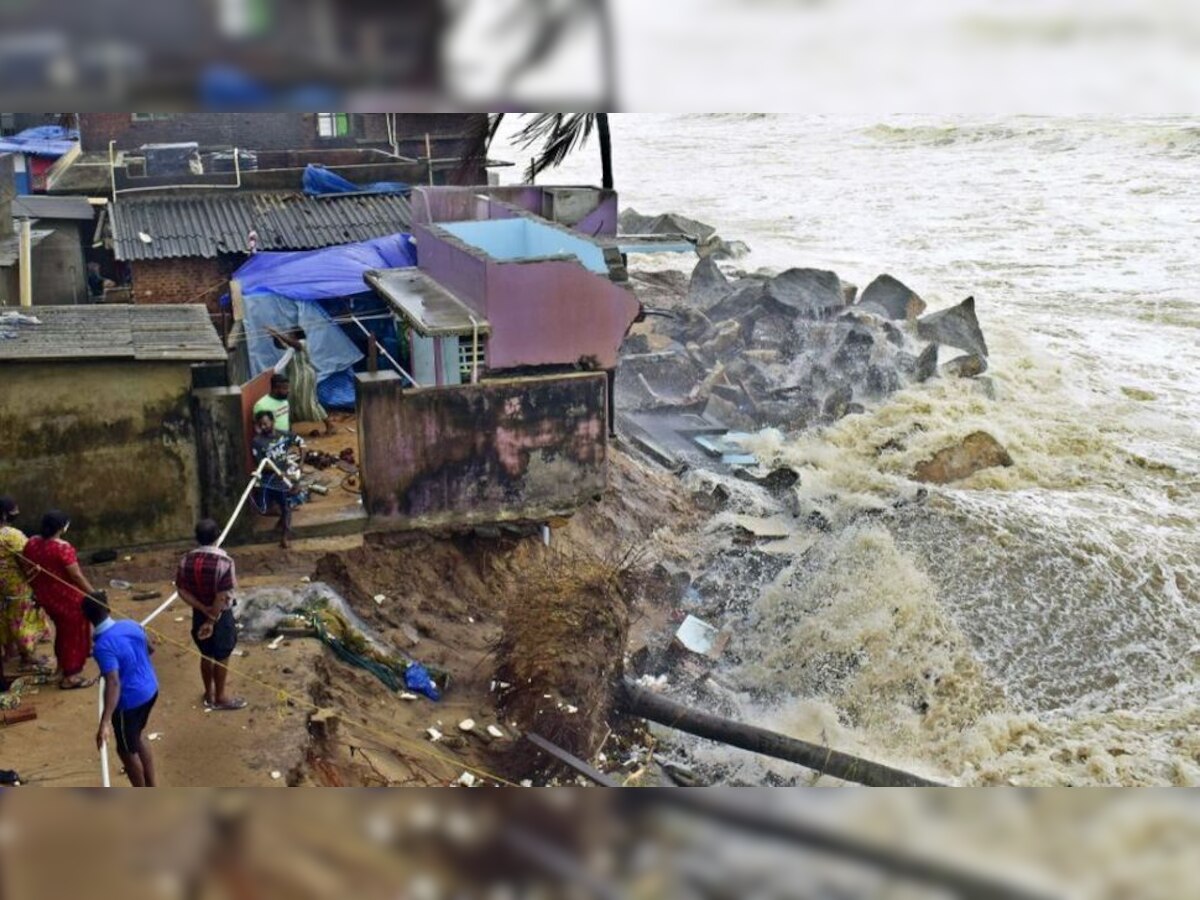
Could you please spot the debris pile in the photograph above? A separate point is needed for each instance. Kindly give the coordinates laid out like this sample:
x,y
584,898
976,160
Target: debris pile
x,y
562,653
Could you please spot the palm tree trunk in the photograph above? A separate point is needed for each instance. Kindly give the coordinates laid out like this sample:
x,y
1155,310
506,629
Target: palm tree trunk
x,y
608,53
606,162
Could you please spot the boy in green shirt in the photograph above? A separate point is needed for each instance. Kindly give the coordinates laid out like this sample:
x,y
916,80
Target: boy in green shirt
x,y
276,402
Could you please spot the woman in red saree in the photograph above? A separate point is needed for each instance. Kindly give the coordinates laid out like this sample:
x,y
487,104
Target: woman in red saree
x,y
60,587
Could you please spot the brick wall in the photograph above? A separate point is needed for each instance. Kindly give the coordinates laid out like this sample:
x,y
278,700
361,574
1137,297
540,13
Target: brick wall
x,y
192,280
260,131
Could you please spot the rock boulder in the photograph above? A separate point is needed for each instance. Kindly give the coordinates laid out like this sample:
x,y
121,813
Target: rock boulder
x,y
968,366
955,327
977,451
633,222
892,298
810,293
708,284
926,366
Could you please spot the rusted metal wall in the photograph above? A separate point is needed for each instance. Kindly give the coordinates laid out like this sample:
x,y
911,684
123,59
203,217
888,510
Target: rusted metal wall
x,y
505,450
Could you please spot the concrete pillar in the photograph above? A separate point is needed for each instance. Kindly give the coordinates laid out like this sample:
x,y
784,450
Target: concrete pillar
x,y
25,261
374,393
221,455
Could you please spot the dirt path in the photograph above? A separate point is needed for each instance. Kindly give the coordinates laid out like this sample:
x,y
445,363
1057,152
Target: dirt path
x,y
226,749
445,600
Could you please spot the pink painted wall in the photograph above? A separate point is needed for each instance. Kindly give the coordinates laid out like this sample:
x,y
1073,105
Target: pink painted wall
x,y
503,450
554,313
541,312
451,264
446,204
602,221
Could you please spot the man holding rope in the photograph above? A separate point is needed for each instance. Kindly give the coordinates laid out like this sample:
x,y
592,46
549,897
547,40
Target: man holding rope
x,y
206,581
122,650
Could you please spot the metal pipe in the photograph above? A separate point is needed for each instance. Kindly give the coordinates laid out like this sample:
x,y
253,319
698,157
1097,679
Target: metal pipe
x,y
25,253
429,155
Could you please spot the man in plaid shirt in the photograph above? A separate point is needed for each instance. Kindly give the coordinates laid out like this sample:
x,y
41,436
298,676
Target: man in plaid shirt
x,y
206,581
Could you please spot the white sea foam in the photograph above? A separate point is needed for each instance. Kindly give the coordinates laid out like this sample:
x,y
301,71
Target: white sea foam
x,y
1038,624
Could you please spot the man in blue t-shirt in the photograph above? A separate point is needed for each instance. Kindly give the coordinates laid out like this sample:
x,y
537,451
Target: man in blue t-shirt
x,y
122,651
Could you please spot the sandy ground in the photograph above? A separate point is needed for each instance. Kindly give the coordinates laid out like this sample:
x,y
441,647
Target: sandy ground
x,y
227,749
445,599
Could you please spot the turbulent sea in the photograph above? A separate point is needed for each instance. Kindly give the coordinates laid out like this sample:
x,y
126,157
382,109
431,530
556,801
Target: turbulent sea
x,y
1047,614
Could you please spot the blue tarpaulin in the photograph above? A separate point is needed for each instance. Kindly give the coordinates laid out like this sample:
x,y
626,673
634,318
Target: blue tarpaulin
x,y
307,289
45,140
319,181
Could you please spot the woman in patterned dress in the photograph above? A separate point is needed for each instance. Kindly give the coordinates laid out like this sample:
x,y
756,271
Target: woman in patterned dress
x,y
22,624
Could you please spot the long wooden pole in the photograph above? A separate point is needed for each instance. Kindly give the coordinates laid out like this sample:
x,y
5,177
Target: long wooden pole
x,y
639,701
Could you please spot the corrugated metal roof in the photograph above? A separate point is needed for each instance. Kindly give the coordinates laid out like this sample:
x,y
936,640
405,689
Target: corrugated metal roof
x,y
211,224
161,332
41,206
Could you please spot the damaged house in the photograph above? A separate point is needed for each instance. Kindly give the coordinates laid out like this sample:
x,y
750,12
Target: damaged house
x,y
497,408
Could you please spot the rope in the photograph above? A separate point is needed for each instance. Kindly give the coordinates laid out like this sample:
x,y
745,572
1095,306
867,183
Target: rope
x,y
389,738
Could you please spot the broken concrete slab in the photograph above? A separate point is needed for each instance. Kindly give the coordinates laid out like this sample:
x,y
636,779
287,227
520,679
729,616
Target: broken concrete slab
x,y
723,338
956,327
892,298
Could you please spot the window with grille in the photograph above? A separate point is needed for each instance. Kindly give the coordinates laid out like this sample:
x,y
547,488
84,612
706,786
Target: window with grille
x,y
469,356
333,124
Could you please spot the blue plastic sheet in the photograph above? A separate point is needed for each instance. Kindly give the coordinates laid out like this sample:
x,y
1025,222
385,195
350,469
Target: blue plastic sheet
x,y
319,181
337,391
283,291
324,274
44,140
418,679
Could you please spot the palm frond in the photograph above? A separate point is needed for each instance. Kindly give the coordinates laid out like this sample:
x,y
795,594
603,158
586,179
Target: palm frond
x,y
559,135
